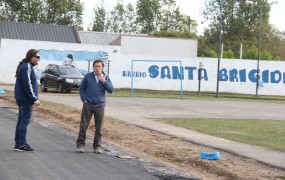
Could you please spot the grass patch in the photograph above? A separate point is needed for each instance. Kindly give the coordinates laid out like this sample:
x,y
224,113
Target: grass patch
x,y
144,93
266,133
194,96
59,107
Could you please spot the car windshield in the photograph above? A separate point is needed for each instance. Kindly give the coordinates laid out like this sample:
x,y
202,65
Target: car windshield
x,y
68,71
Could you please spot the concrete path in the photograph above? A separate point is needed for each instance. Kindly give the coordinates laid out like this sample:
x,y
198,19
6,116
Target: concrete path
x,y
143,111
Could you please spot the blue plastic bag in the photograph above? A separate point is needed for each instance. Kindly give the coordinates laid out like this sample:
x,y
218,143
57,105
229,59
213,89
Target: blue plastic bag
x,y
210,156
2,91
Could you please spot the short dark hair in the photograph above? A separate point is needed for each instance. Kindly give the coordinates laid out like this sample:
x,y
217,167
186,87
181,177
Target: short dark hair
x,y
98,61
70,56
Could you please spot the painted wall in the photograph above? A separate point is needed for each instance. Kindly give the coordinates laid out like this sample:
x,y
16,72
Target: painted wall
x,y
156,71
13,51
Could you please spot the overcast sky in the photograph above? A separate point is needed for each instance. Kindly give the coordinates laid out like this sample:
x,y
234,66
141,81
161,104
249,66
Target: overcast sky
x,y
191,8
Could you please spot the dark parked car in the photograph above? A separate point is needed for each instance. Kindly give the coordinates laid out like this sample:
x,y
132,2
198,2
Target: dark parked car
x,y
61,78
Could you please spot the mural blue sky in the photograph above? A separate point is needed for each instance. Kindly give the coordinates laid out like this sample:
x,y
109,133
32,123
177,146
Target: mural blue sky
x,y
191,8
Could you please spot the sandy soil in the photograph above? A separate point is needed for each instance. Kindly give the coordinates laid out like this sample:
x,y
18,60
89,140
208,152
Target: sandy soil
x,y
171,151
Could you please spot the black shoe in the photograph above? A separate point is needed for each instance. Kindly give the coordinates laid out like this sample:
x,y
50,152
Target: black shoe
x,y
16,147
26,148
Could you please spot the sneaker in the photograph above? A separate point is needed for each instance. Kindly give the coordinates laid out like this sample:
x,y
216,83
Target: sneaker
x,y
80,149
26,148
98,150
16,147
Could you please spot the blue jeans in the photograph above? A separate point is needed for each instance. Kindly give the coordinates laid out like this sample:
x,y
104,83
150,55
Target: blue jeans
x,y
24,118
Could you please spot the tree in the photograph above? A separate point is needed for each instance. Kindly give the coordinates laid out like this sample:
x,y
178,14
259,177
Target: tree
x,y
212,54
251,53
148,16
99,19
148,13
228,54
273,41
265,55
130,19
168,15
172,20
162,15
117,21
62,12
240,22
185,35
29,11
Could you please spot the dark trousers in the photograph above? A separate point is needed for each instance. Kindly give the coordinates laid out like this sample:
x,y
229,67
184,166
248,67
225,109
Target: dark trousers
x,y
24,118
86,114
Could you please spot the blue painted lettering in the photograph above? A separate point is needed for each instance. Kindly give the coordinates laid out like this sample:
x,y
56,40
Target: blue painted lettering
x,y
135,74
203,74
265,76
275,76
223,75
190,72
153,71
233,75
252,75
176,73
165,72
242,75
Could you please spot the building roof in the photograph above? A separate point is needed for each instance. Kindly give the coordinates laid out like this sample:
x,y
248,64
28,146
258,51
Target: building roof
x,y
103,38
99,38
40,32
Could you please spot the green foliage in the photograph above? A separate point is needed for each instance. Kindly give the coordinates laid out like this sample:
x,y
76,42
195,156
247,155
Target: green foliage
x,y
130,14
277,58
241,25
21,10
172,20
203,49
185,35
228,54
62,12
265,55
116,22
147,17
99,19
251,53
212,54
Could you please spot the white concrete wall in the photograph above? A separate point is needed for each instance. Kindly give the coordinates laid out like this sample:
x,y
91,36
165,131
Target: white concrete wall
x,y
237,76
157,46
13,51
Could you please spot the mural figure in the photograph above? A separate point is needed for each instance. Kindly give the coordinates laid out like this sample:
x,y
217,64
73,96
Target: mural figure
x,y
69,61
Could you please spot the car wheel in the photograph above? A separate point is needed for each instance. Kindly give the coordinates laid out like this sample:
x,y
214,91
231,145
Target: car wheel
x,y
43,87
60,88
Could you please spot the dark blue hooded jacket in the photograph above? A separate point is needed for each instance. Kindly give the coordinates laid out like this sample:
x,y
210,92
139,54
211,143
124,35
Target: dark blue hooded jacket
x,y
26,87
93,92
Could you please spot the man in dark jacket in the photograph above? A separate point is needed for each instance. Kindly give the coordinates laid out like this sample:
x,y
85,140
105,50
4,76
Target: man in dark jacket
x,y
26,95
92,94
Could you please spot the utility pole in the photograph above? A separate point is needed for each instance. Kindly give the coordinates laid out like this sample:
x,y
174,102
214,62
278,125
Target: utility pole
x,y
220,44
189,23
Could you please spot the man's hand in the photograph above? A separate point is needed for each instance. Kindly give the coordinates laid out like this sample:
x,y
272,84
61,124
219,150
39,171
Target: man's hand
x,y
102,79
37,103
